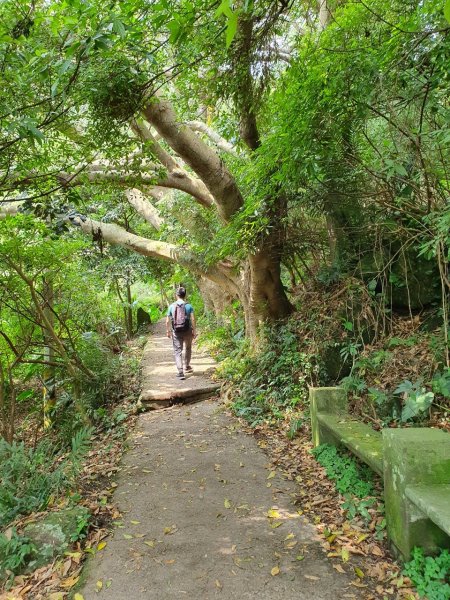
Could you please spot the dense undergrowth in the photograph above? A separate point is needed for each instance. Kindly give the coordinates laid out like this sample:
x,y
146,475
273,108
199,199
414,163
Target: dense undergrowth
x,y
41,475
395,372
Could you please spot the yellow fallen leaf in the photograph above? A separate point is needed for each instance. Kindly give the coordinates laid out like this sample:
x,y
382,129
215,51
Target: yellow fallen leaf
x,y
362,537
101,546
151,543
275,571
271,475
359,573
273,514
291,545
73,554
227,503
345,554
99,585
276,524
170,530
135,522
69,582
312,577
127,536
299,557
289,536
78,597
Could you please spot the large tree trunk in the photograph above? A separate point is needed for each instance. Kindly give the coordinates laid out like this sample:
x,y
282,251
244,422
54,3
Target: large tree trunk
x,y
268,300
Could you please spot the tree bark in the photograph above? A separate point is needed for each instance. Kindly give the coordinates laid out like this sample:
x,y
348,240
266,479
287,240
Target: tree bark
x,y
199,156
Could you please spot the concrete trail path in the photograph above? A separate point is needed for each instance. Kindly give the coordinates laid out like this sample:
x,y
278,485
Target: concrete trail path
x,y
202,520
160,386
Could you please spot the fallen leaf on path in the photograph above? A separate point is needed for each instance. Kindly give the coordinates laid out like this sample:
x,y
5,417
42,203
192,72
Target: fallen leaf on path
x,y
101,546
170,530
69,582
312,577
359,584
135,522
276,524
359,573
78,597
227,503
99,585
271,475
275,571
127,536
151,543
218,584
339,568
273,514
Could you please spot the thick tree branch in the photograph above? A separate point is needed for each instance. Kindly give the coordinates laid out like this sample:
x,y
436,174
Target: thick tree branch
x,y
197,154
177,177
116,235
142,206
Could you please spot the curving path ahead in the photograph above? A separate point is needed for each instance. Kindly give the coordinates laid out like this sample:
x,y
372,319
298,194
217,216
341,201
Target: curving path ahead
x,y
202,518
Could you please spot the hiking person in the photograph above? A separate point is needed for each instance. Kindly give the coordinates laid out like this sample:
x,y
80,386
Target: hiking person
x,y
180,326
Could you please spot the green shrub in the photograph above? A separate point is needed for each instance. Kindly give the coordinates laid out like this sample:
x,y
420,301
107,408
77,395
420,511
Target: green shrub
x,y
15,552
273,380
430,575
349,476
29,477
353,481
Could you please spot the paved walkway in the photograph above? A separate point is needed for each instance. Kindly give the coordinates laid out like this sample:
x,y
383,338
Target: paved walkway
x,y
203,518
160,386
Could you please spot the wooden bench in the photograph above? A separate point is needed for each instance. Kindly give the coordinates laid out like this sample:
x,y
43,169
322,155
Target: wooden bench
x,y
414,464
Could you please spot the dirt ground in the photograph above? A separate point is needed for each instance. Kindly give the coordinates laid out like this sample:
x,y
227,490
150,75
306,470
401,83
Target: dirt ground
x,y
204,517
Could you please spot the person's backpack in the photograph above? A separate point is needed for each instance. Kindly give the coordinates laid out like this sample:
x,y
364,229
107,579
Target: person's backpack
x,y
180,318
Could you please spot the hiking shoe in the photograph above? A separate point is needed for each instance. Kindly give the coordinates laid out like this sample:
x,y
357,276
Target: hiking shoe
x,y
189,370
181,375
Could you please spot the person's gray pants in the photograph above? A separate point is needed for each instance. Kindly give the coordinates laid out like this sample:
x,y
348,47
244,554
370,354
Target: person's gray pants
x,y
179,340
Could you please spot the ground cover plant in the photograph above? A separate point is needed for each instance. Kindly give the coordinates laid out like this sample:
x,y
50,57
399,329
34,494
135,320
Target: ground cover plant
x,y
430,574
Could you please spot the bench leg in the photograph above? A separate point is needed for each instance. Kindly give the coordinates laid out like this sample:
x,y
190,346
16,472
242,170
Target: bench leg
x,y
413,456
331,400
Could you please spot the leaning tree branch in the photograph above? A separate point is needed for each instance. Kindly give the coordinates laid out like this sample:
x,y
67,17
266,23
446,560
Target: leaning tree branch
x,y
217,139
143,206
202,159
